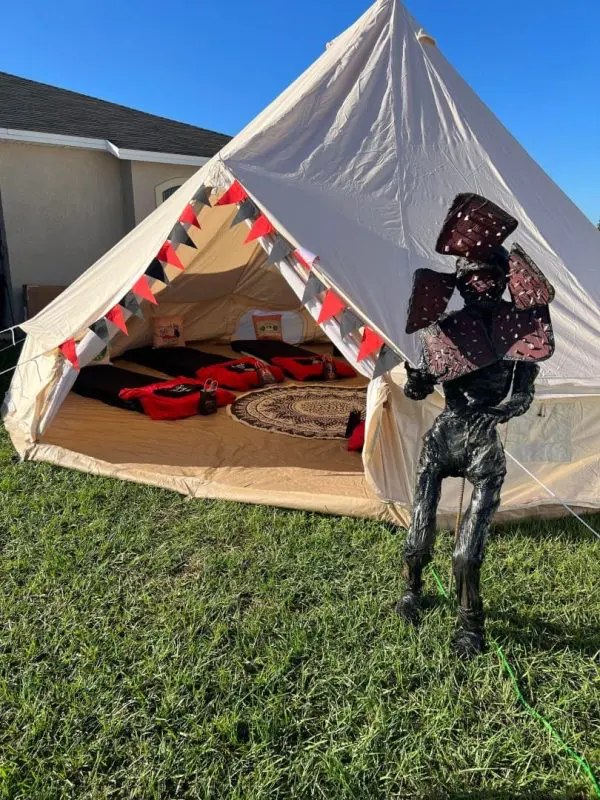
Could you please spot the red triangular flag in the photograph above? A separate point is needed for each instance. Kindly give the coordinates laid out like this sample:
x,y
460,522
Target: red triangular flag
x,y
189,215
69,351
169,256
332,305
262,227
371,342
143,290
306,258
115,315
235,194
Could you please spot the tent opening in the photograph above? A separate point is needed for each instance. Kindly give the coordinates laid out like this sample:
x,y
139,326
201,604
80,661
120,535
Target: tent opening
x,y
292,453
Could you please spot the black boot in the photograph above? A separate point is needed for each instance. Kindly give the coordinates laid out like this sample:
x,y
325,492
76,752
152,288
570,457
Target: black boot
x,y
409,605
469,636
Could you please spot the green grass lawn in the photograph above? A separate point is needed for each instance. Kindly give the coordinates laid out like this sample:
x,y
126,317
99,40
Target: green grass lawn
x,y
156,648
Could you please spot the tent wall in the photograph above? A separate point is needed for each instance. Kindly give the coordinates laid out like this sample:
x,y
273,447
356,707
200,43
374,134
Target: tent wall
x,y
556,440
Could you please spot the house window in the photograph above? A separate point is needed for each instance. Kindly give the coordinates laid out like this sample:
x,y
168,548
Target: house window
x,y
165,189
168,192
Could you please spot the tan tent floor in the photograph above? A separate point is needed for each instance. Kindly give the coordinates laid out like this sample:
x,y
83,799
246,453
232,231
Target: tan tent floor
x,y
214,457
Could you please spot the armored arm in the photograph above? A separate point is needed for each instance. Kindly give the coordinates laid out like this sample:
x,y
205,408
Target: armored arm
x,y
523,391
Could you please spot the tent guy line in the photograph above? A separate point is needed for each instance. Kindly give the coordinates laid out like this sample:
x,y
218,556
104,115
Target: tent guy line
x,y
553,495
542,485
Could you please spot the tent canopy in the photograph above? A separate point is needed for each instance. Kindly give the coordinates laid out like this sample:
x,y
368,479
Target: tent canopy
x,y
357,162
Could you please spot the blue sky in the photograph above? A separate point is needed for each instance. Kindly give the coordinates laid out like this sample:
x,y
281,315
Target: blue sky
x,y
216,63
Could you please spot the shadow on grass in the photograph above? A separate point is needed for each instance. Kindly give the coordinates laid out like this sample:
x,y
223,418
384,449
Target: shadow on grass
x,y
530,630
534,632
541,529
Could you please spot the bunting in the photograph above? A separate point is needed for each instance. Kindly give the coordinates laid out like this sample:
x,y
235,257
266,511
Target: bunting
x,y
386,361
305,257
169,256
371,342
132,304
202,196
115,315
262,227
279,251
332,306
314,287
235,194
101,329
142,288
179,235
188,216
157,271
69,351
349,323
247,210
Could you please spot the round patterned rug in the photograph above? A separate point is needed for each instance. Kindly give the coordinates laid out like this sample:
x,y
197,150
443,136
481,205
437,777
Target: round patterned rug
x,y
313,412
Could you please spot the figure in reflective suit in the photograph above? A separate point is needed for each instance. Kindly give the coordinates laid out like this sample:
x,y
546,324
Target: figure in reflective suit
x,y
482,355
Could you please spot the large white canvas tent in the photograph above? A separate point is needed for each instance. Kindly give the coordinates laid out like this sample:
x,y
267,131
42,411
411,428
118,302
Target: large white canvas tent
x,y
357,162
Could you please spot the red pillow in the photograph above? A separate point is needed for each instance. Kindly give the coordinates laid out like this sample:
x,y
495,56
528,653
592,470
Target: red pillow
x,y
356,441
343,369
312,368
158,407
240,374
301,369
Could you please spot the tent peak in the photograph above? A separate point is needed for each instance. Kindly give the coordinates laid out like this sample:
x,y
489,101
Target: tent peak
x,y
425,38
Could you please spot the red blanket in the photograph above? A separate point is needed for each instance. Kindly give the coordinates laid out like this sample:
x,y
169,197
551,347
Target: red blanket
x,y
174,399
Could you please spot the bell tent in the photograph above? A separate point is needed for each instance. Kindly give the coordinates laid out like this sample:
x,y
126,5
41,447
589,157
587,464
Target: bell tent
x,y
356,163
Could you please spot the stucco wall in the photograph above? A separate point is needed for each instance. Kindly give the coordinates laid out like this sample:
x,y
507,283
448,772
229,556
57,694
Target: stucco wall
x,y
147,177
63,208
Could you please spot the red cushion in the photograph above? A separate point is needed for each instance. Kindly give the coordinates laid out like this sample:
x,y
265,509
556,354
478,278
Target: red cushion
x,y
301,369
240,374
158,407
312,368
343,369
357,438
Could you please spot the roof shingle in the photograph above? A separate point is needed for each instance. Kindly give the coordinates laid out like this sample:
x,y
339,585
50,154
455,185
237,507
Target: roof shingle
x,y
32,106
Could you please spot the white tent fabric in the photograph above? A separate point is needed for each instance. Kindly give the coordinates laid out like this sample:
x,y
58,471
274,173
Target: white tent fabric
x,y
358,162
362,156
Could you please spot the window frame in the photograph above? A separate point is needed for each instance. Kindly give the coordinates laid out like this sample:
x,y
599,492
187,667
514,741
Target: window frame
x,y
164,186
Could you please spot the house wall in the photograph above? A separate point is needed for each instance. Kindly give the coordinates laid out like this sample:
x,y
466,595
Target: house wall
x,y
63,208
148,179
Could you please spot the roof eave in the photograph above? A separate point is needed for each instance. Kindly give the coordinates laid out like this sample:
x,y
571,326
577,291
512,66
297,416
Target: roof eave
x,y
105,145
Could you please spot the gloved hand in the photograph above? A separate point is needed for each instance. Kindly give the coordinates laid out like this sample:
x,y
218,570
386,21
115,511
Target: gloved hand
x,y
419,383
518,404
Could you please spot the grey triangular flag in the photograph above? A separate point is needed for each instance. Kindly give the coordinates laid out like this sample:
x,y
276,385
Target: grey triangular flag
x,y
247,210
202,196
349,322
386,361
101,330
279,251
157,271
314,287
179,235
132,304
